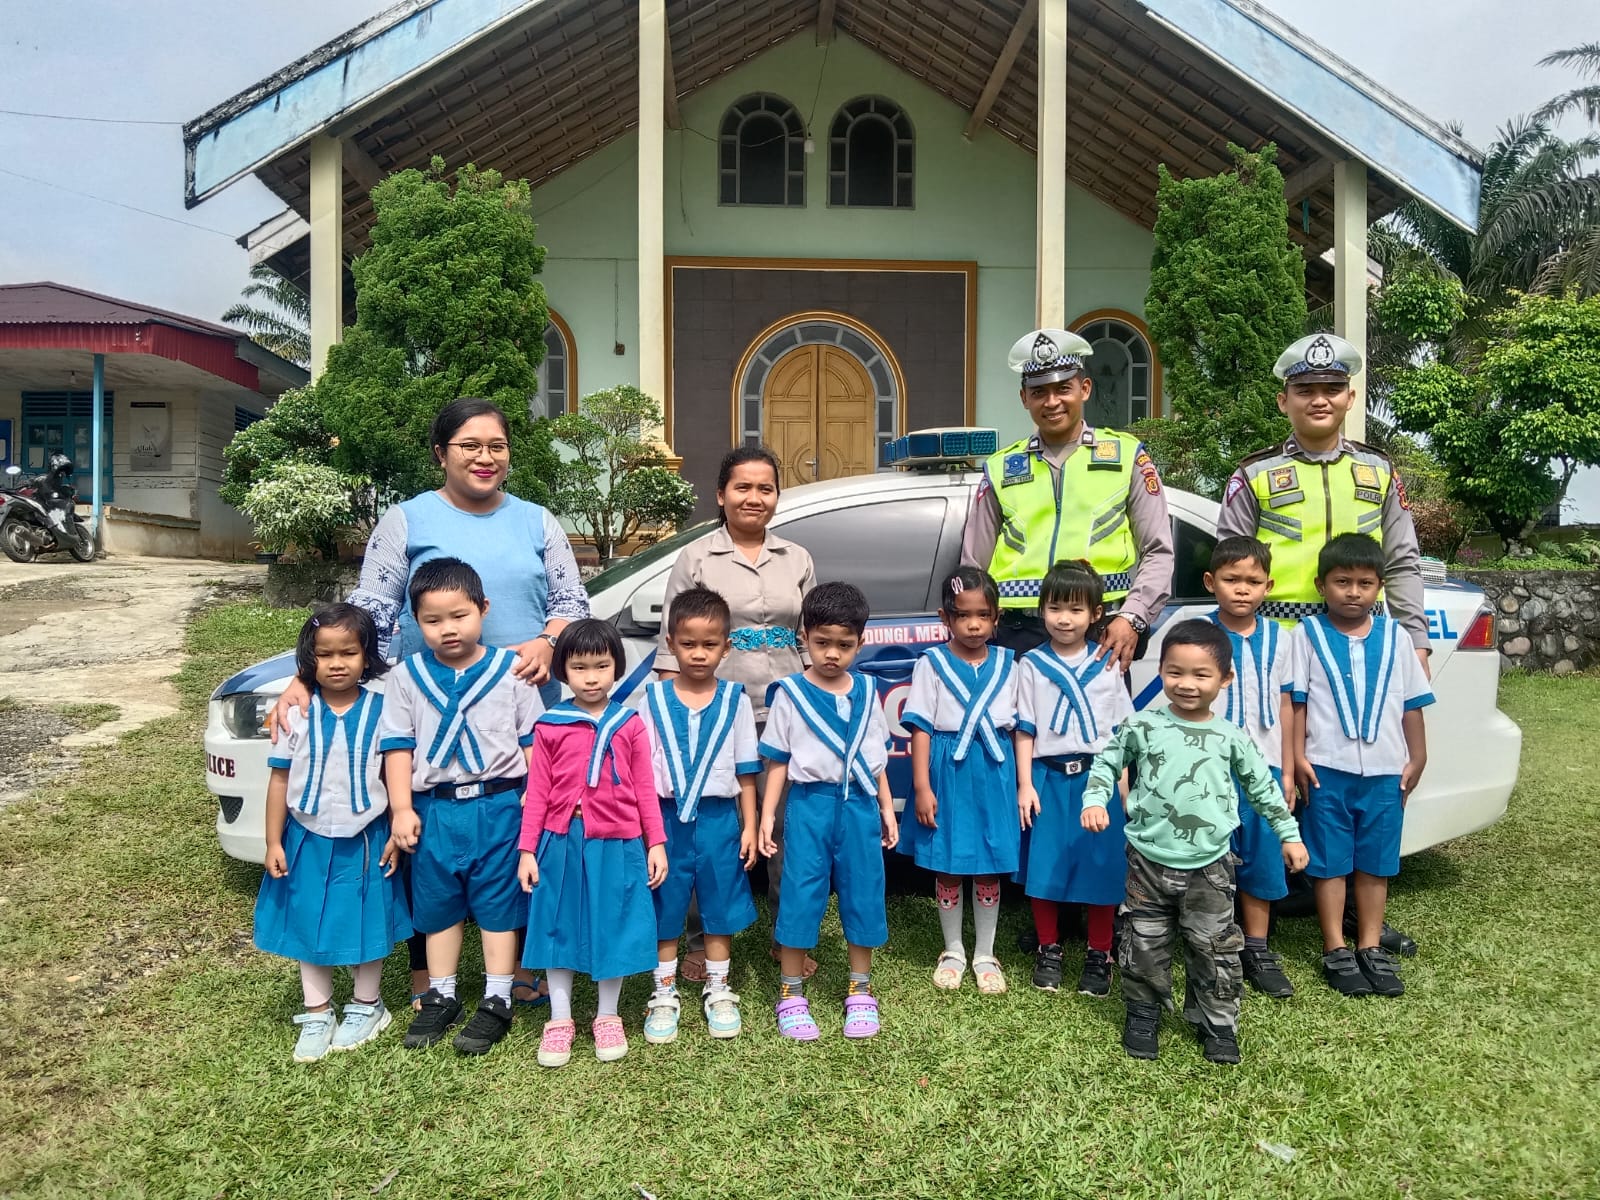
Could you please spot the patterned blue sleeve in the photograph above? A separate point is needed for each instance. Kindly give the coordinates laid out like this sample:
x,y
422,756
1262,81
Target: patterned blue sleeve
x,y
567,601
381,591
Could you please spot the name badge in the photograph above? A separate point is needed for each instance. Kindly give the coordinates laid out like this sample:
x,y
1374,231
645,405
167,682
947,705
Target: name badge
x,y
1017,468
1282,479
1369,495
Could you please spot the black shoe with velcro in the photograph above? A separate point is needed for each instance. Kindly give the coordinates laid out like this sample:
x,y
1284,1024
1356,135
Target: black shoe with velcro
x,y
1344,973
1381,970
1263,970
1218,1045
1095,979
489,1024
429,1026
1047,968
1141,1030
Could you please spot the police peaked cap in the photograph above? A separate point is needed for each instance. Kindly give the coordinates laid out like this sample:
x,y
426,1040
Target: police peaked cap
x,y
1318,358
1048,355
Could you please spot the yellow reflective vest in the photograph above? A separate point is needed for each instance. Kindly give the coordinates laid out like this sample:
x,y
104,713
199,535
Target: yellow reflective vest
x,y
1084,515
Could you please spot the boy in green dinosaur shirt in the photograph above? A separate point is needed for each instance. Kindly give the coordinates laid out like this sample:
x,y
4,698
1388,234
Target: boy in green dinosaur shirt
x,y
1181,811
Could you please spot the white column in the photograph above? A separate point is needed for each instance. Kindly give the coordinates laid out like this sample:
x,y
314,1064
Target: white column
x,y
1050,236
327,248
1350,277
652,190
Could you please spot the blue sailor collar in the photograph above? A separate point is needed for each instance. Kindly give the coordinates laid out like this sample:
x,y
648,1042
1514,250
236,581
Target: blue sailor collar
x,y
846,737
1261,650
974,688
691,746
1359,702
1072,683
360,725
605,726
452,694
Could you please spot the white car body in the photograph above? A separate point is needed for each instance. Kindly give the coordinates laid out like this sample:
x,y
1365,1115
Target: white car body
x,y
896,536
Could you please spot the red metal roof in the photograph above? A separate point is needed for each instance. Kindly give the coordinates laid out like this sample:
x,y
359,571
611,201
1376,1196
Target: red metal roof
x,y
47,303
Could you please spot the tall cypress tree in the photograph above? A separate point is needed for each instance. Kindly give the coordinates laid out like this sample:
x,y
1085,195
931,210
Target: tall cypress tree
x,y
1227,294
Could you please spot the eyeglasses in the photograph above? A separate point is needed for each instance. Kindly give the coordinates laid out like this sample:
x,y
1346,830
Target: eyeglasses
x,y
473,449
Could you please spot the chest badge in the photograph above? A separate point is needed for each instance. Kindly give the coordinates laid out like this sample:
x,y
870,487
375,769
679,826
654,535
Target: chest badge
x,y
1106,454
1366,475
1017,468
1282,479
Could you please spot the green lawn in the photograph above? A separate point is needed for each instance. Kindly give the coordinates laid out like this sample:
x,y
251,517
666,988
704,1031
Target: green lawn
x,y
144,1045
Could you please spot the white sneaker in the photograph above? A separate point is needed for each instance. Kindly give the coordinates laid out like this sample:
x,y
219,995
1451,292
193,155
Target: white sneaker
x,y
361,1023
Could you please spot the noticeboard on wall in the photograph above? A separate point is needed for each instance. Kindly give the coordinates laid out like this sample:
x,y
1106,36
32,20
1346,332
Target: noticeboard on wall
x,y
150,439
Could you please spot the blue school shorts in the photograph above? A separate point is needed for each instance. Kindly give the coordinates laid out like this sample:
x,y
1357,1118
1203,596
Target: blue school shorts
x,y
466,864
1261,872
703,861
1352,823
831,844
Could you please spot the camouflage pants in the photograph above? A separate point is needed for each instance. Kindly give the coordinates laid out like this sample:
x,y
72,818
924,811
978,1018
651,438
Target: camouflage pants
x,y
1165,901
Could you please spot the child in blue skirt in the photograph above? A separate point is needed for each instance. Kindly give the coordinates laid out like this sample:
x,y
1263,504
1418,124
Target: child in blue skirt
x,y
703,751
1070,699
330,896
590,815
961,710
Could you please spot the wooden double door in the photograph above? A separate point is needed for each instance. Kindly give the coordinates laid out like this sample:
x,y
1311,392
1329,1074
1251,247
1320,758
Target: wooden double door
x,y
820,415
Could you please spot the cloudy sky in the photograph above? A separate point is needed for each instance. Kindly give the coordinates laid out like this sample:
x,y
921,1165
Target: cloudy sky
x,y
167,61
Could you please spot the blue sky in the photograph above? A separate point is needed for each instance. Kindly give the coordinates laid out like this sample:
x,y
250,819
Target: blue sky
x,y
1472,61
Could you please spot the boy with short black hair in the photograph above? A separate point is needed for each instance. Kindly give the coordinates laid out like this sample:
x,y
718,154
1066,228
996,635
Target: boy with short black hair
x,y
1181,811
827,739
1359,693
1258,701
456,731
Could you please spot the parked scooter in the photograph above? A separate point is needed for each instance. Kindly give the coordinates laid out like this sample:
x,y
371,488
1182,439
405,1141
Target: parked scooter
x,y
39,515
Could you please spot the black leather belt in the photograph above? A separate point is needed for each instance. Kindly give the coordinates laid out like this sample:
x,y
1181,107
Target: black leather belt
x,y
471,791
1066,764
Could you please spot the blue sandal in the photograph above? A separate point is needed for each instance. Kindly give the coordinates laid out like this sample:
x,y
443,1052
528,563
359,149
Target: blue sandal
x,y
533,987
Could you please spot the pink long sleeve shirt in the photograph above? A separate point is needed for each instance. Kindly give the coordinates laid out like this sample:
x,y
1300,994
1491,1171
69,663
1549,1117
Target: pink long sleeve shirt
x,y
624,805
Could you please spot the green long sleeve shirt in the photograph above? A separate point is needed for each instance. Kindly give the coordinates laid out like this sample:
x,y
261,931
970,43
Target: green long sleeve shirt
x,y
1183,806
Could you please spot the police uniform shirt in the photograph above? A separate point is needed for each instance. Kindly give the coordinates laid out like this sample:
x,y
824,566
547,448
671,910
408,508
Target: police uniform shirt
x,y
335,770
810,760
931,700
1403,688
1247,687
1038,697
737,755
1402,573
1147,514
501,722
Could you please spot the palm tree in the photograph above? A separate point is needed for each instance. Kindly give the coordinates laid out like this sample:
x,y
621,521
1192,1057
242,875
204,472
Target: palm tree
x,y
276,314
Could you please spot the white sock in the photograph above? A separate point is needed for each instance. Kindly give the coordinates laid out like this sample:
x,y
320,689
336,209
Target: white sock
x,y
666,974
498,987
560,980
610,993
445,985
717,974
952,914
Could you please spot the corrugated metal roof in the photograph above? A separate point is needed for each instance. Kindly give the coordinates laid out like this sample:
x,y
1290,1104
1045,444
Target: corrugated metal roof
x,y
46,303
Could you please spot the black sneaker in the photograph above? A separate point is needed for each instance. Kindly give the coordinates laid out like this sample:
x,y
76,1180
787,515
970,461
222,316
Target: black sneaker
x,y
1095,980
1391,939
1141,1030
1263,970
1047,968
1381,971
1344,974
1218,1045
429,1026
489,1024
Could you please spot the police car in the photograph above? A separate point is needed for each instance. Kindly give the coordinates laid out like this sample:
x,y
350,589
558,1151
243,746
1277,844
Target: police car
x,y
896,536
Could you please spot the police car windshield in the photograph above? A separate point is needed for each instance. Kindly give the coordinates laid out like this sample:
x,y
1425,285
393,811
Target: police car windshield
x,y
635,563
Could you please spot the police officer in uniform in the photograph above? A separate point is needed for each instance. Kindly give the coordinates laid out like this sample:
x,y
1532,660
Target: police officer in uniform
x,y
1069,491
1298,495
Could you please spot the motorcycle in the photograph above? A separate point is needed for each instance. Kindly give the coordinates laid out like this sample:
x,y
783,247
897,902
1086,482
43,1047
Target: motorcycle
x,y
39,515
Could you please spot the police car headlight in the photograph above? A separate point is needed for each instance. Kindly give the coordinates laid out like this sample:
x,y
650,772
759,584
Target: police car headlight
x,y
245,715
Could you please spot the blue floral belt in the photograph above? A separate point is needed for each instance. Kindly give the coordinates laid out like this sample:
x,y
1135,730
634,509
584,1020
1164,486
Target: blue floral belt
x,y
764,637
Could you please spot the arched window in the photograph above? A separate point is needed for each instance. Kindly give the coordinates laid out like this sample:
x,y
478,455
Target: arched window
x,y
871,151
763,153
1126,375
558,373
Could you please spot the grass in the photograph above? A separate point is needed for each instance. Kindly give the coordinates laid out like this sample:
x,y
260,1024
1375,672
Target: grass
x,y
144,1046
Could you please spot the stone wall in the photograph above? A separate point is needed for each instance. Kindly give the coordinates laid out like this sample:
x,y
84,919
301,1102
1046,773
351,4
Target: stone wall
x,y
1548,620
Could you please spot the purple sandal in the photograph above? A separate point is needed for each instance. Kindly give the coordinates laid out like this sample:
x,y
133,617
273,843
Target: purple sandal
x,y
861,1015
794,1020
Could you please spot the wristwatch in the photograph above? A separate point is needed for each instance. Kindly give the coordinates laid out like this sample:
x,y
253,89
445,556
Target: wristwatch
x,y
551,638
1140,625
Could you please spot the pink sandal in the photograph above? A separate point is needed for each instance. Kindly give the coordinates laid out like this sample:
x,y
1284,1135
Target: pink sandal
x,y
861,1015
794,1020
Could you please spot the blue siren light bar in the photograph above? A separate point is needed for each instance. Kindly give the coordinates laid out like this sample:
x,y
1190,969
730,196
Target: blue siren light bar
x,y
954,446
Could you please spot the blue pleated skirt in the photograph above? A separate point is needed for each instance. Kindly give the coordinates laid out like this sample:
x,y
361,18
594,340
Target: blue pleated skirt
x,y
978,831
591,911
1061,860
335,907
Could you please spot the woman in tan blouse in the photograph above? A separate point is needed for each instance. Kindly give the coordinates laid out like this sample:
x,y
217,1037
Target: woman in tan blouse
x,y
763,578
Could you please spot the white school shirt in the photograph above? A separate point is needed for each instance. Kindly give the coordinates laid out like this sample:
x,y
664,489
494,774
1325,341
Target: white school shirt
x,y
502,723
1037,696
810,761
335,769
931,700
738,755
1326,743
1248,680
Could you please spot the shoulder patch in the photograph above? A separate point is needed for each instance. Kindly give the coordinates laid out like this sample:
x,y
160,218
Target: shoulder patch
x,y
1235,486
1400,492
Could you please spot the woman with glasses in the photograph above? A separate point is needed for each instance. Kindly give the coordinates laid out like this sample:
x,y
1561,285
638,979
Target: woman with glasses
x,y
519,549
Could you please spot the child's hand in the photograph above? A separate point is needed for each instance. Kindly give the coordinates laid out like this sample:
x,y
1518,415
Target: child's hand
x,y
656,861
277,865
767,846
747,849
1295,856
1410,776
1306,776
891,828
389,860
1291,794
407,829
528,871
1094,818
927,808
1027,804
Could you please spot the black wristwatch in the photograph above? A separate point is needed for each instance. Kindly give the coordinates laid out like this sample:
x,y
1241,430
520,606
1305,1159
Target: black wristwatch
x,y
1140,625
549,637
